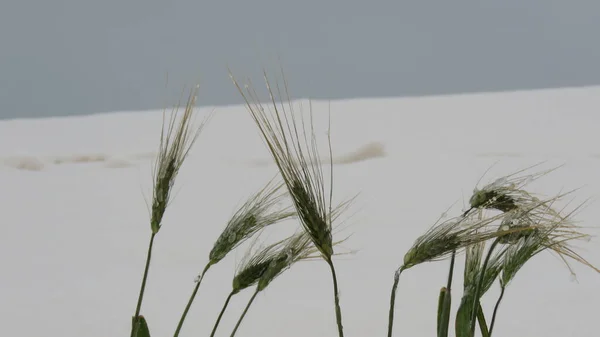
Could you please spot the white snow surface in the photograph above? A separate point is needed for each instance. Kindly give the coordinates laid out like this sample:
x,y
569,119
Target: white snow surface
x,y
75,225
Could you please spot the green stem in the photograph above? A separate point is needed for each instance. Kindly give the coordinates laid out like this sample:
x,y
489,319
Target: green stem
x,y
496,309
393,300
481,319
214,330
444,310
145,277
479,284
338,310
451,272
244,313
189,304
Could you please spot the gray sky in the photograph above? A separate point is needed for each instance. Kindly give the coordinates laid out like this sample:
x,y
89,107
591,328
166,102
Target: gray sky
x,y
67,57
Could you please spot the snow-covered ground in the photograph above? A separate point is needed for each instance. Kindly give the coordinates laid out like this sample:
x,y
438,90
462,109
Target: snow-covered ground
x,y
75,223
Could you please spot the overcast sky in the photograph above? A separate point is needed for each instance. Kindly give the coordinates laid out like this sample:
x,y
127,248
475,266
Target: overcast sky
x,y
66,57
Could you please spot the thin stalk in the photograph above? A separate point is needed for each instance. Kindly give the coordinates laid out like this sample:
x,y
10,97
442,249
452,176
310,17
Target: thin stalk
x,y
481,319
496,309
479,284
451,272
214,330
393,300
468,211
143,287
338,310
244,313
189,304
444,315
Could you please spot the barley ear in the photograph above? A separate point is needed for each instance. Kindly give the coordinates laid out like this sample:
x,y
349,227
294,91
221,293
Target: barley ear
x,y
258,212
292,143
175,144
176,140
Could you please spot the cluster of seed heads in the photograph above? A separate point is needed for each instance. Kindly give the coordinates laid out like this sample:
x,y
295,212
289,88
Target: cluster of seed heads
x,y
264,265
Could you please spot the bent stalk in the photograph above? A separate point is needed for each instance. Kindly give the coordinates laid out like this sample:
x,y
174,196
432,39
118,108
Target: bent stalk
x,y
189,304
244,313
338,310
496,309
214,330
393,300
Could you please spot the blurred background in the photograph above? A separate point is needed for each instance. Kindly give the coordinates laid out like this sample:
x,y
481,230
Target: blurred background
x,y
72,57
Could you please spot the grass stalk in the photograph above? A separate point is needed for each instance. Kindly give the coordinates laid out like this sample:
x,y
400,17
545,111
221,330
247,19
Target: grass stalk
x,y
393,300
192,297
483,328
292,143
476,307
244,313
214,330
503,288
451,272
445,302
144,278
338,310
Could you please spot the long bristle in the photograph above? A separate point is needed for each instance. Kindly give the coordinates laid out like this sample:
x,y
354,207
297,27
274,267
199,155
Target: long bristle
x,y
291,141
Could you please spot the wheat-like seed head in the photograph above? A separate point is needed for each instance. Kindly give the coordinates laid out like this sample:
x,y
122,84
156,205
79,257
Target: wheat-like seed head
x,y
506,193
293,147
253,266
176,141
455,234
543,228
452,235
297,247
266,264
255,214
473,268
519,253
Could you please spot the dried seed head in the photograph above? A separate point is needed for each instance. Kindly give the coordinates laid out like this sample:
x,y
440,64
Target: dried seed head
x,y
175,144
258,212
